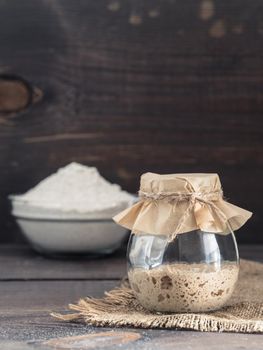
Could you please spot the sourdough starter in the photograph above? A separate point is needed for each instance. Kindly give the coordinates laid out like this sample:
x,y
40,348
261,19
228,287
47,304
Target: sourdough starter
x,y
184,287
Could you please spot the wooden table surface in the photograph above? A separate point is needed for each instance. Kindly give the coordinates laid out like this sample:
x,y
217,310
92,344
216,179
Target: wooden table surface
x,y
32,286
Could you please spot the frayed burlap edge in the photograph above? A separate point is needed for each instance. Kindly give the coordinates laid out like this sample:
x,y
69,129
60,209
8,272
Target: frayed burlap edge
x,y
120,308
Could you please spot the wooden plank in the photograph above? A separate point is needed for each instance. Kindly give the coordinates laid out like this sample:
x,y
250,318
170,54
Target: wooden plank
x,y
25,320
169,86
26,297
251,252
21,263
36,330
234,28
165,340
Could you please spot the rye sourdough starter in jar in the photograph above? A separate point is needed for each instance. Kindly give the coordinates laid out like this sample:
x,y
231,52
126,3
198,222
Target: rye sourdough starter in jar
x,y
182,253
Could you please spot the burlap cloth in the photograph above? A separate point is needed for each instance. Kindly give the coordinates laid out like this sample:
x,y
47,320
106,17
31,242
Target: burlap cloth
x,y
119,307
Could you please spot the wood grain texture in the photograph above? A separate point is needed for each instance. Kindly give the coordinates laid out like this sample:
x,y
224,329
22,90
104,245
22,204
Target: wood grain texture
x,y
25,322
96,340
21,263
134,86
26,296
23,333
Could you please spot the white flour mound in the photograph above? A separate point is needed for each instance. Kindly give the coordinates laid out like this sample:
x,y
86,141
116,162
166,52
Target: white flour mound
x,y
77,188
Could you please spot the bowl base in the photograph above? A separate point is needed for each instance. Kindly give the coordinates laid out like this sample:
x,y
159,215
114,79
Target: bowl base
x,y
72,255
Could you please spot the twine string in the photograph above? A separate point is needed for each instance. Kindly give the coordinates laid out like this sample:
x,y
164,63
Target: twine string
x,y
208,198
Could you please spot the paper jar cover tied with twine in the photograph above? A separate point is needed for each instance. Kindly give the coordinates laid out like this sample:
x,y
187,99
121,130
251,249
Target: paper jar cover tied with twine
x,y
177,203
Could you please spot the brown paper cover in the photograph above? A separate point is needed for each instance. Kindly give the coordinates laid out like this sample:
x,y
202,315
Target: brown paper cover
x,y
177,203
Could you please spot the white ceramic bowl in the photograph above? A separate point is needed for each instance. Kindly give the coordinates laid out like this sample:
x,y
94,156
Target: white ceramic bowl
x,y
59,233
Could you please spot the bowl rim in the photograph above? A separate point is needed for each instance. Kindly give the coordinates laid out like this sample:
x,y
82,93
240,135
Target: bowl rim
x,y
38,213
62,219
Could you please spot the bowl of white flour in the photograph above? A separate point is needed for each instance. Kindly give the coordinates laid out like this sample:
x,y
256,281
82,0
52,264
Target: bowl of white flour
x,y
70,212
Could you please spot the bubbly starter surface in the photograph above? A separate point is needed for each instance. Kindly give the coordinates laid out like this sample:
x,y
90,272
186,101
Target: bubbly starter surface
x,y
184,287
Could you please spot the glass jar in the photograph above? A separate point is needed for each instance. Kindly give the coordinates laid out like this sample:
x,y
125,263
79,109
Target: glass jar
x,y
182,254
196,272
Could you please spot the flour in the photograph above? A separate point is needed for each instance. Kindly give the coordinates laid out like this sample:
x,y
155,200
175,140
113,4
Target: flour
x,y
76,188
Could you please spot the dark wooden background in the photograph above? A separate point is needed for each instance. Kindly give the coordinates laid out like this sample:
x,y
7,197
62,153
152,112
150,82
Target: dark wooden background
x,y
132,86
